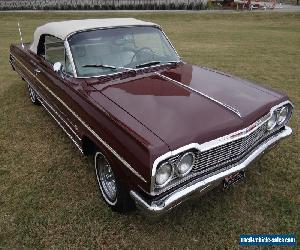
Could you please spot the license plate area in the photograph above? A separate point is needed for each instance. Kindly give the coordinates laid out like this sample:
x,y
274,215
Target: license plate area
x,y
230,180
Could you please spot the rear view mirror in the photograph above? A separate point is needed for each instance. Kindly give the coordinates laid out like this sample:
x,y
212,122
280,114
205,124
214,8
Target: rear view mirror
x,y
57,67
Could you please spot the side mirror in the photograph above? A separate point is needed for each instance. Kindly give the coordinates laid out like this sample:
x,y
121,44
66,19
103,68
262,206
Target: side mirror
x,y
57,67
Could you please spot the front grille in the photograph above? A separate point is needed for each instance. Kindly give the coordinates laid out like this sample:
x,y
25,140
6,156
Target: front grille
x,y
218,158
230,152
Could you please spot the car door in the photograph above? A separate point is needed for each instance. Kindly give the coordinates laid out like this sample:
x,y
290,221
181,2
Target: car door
x,y
58,89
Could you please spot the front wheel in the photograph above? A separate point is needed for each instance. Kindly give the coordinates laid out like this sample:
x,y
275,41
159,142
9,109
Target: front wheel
x,y
112,191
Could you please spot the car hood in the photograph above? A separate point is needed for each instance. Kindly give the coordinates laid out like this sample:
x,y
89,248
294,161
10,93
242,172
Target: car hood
x,y
189,104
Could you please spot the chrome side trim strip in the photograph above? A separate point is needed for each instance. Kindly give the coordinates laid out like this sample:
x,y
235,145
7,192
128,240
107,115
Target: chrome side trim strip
x,y
42,101
201,93
85,125
199,187
70,136
51,107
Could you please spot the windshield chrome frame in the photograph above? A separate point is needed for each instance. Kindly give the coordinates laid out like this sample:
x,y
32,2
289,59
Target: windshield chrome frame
x,y
69,54
68,49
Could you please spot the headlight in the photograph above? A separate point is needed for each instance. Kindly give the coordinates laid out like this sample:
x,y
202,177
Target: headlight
x,y
163,174
185,164
282,115
271,122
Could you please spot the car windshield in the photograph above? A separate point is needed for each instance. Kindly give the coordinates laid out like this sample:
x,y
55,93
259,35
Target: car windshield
x,y
106,51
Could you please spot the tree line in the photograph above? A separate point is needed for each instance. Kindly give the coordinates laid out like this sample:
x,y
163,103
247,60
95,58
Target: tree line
x,y
103,5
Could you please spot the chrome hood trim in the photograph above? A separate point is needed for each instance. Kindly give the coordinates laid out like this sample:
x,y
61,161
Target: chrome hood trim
x,y
235,111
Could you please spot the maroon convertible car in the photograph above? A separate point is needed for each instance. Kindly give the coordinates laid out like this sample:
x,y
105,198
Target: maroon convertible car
x,y
160,129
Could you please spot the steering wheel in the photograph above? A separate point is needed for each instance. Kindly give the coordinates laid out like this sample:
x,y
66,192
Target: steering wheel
x,y
143,49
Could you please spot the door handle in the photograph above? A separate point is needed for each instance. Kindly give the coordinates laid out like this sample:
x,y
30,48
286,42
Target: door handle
x,y
36,71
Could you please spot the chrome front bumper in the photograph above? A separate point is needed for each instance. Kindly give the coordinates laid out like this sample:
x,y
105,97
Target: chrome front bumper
x,y
200,187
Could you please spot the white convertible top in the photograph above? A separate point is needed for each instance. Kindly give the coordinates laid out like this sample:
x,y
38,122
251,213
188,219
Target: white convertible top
x,y
64,28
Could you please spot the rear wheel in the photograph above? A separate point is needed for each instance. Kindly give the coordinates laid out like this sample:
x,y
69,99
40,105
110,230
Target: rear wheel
x,y
33,96
112,190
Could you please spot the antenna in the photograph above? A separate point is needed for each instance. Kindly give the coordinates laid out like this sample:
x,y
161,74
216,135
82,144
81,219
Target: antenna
x,y
20,35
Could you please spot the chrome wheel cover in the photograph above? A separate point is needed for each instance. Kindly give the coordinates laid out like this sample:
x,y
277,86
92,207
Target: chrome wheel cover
x,y
106,179
32,94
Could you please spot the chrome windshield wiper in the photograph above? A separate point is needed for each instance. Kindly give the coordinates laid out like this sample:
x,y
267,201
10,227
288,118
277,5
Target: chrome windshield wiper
x,y
172,62
147,64
155,63
99,66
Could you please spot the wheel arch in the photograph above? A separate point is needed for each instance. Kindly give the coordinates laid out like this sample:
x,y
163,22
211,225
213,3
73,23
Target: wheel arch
x,y
91,146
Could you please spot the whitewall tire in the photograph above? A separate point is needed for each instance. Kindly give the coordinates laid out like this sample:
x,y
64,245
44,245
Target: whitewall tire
x,y
111,189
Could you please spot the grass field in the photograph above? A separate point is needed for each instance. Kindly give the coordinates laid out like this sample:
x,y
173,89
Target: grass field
x,y
49,196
